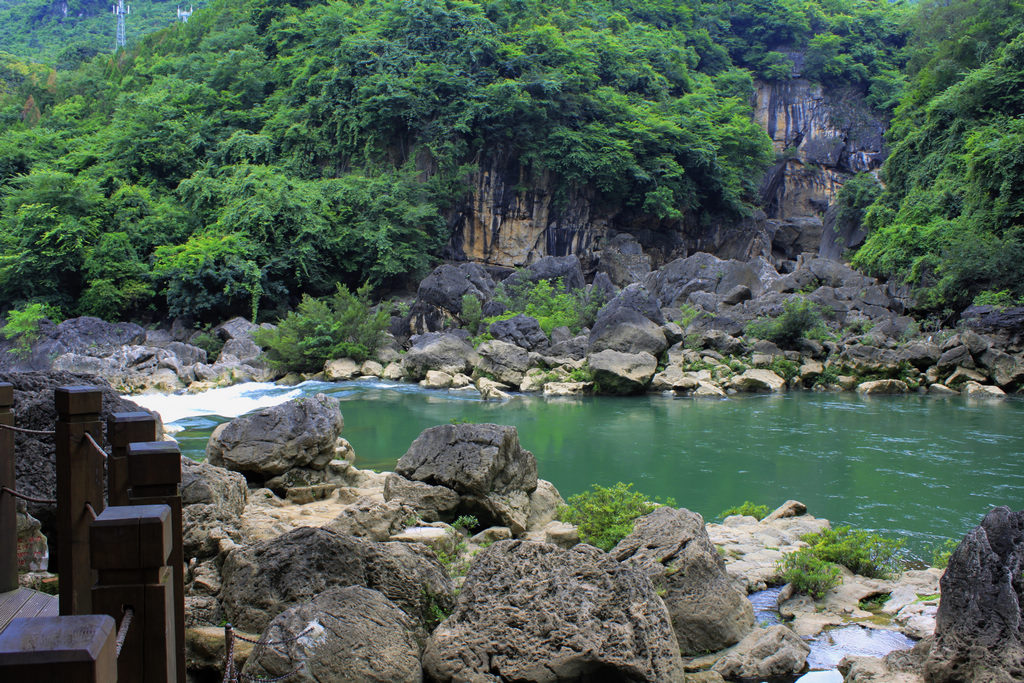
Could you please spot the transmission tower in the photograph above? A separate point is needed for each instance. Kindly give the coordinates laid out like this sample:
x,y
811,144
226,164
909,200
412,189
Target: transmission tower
x,y
184,14
121,11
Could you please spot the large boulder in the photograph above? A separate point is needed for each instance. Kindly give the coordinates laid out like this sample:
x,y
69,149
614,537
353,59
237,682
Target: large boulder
x,y
708,611
567,268
536,612
85,336
271,441
627,331
341,635
521,330
506,363
483,463
431,503
622,373
265,579
439,297
212,500
438,351
35,464
979,628
765,653
672,284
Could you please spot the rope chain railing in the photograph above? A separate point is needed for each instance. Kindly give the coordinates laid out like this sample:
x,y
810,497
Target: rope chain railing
x,y
28,499
233,676
23,430
98,448
122,632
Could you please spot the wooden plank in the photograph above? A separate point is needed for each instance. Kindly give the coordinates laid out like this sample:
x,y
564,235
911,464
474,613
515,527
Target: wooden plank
x,y
78,649
11,603
36,604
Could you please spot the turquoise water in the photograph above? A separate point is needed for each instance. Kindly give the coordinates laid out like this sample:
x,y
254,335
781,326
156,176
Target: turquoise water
x,y
916,467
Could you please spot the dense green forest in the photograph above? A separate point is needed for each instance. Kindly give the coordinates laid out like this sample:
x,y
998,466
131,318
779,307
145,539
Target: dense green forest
x,y
266,150
64,33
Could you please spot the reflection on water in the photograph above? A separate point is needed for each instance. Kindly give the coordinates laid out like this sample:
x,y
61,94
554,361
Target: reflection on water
x,y
911,466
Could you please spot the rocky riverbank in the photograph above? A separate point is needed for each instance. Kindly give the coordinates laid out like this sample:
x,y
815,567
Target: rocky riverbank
x,y
456,567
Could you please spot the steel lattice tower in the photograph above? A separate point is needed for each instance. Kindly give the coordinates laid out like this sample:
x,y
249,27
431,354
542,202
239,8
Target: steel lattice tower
x,y
120,11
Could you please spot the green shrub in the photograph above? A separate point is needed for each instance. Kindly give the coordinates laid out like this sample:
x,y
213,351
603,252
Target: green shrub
x,y
605,515
830,375
786,369
749,509
689,314
23,325
862,552
808,573
800,318
546,302
1001,299
342,326
471,312
941,553
210,343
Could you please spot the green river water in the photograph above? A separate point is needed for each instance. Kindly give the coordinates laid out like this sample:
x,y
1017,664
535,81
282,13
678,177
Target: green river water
x,y
916,467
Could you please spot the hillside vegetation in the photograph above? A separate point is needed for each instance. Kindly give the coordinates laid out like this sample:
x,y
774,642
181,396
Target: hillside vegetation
x,y
267,150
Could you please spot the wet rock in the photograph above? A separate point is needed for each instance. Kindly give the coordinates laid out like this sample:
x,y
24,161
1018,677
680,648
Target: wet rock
x,y
327,640
300,433
673,379
341,369
265,579
975,390
882,386
756,379
979,632
536,612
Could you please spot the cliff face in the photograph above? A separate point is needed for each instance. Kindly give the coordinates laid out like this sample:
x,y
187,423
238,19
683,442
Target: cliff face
x,y
514,217
820,140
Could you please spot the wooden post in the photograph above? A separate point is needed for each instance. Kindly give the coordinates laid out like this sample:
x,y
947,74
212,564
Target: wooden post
x,y
154,477
130,546
8,511
123,429
79,481
66,649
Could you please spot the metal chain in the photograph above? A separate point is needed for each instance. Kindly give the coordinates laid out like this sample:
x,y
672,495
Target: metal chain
x,y
43,432
229,655
275,642
30,499
99,448
122,632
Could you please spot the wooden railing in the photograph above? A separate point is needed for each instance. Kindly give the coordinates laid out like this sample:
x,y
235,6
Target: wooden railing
x,y
120,564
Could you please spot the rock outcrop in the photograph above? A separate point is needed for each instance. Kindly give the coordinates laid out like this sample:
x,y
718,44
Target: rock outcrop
x,y
536,612
343,634
979,629
297,436
266,578
482,463
708,611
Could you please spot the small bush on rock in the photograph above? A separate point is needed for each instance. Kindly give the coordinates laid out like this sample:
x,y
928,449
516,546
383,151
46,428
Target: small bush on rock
x,y
862,552
941,553
23,325
605,515
748,509
548,303
342,326
808,573
800,318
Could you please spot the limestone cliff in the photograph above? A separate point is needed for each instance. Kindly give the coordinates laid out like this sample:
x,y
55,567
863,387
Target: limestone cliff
x,y
820,140
514,217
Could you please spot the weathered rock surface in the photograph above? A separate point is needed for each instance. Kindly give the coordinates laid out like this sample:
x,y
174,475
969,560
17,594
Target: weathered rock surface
x,y
622,373
672,546
438,351
979,634
300,433
212,500
483,463
430,502
758,379
266,578
765,652
521,330
536,612
506,362
439,297
344,634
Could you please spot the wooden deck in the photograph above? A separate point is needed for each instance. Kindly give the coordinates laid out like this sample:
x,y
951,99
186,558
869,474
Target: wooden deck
x,y
26,602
